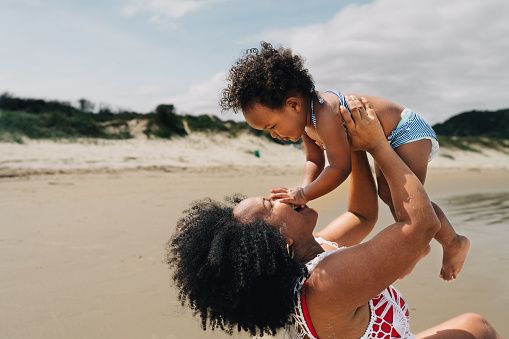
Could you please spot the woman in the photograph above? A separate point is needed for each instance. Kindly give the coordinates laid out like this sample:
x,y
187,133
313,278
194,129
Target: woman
x,y
255,265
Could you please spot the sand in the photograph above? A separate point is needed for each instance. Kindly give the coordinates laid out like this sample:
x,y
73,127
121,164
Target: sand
x,y
84,226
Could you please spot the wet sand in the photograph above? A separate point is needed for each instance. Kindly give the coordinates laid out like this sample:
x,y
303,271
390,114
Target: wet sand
x,y
82,253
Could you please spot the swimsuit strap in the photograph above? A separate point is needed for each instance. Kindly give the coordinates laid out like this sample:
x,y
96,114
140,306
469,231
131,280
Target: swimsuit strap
x,y
320,100
342,99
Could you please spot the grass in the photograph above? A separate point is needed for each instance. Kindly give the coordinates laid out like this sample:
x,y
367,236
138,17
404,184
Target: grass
x,y
52,125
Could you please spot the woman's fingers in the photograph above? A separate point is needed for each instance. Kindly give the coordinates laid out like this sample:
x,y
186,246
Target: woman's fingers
x,y
365,130
356,104
355,107
369,110
347,118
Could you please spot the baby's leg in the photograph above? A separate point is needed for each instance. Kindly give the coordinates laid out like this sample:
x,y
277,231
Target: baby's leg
x,y
415,155
455,247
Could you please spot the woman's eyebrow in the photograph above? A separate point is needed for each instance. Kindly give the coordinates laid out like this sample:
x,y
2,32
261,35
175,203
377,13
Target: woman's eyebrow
x,y
265,205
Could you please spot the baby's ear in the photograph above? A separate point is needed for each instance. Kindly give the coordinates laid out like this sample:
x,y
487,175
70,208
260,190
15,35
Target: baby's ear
x,y
294,103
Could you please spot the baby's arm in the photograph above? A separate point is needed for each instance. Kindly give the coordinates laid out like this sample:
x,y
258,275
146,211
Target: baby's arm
x,y
315,161
332,133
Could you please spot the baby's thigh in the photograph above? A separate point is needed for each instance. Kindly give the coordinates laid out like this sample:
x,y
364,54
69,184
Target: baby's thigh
x,y
384,191
415,154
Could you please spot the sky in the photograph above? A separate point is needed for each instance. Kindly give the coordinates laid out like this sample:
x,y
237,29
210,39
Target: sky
x,y
437,57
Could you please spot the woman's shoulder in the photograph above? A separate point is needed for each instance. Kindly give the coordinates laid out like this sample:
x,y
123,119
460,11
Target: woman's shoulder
x,y
329,248
323,241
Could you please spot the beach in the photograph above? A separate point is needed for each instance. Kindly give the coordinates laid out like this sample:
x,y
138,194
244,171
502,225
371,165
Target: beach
x,y
84,226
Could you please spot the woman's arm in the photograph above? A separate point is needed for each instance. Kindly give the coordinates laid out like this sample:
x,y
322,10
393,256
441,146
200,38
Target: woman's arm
x,y
353,226
349,278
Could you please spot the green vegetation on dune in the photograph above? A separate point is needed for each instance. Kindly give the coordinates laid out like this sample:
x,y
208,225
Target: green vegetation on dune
x,y
39,119
51,125
475,130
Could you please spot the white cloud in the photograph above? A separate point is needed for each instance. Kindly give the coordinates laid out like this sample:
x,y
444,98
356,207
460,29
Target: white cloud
x,y
204,98
161,11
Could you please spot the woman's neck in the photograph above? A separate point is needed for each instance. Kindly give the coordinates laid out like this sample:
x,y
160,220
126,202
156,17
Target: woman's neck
x,y
308,251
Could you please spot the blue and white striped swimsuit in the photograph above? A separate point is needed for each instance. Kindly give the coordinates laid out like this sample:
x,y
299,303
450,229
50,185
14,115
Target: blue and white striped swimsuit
x,y
412,128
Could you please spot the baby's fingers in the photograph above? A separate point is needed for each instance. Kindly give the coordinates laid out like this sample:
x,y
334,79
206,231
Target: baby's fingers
x,y
279,190
288,201
278,196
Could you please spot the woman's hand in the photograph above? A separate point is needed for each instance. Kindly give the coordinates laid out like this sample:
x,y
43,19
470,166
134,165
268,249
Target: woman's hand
x,y
365,130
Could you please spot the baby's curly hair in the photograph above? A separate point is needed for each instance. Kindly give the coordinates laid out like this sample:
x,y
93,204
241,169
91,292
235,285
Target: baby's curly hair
x,y
236,276
270,75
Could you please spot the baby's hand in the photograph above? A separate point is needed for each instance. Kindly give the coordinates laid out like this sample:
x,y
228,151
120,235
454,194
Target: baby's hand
x,y
293,196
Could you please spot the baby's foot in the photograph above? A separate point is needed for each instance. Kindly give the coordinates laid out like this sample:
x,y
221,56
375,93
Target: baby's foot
x,y
454,257
411,268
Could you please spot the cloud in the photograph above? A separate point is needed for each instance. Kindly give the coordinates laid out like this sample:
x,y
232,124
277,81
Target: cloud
x,y
162,11
204,98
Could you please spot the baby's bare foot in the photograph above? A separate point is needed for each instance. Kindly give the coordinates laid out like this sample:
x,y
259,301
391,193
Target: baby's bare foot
x,y
411,268
454,257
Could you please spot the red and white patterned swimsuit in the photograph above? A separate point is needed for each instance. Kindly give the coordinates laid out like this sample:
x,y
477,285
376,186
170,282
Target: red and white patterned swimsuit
x,y
389,312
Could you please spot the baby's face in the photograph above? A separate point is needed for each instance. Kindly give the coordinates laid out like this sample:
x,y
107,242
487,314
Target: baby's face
x,y
286,123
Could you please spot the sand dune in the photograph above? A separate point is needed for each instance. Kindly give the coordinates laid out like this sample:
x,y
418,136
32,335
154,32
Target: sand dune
x,y
197,152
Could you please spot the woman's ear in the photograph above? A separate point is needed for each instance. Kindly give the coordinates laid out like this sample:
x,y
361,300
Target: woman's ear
x,y
289,241
293,103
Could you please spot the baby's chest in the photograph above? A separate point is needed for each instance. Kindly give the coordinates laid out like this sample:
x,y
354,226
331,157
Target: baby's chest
x,y
311,132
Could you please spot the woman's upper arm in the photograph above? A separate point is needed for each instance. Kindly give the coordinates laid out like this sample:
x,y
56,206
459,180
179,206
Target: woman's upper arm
x,y
346,230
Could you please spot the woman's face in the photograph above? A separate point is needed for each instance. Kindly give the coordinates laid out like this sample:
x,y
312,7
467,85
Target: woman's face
x,y
292,222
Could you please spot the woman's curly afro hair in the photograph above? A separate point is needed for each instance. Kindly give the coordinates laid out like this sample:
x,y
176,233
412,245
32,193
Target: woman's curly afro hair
x,y
269,75
236,276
